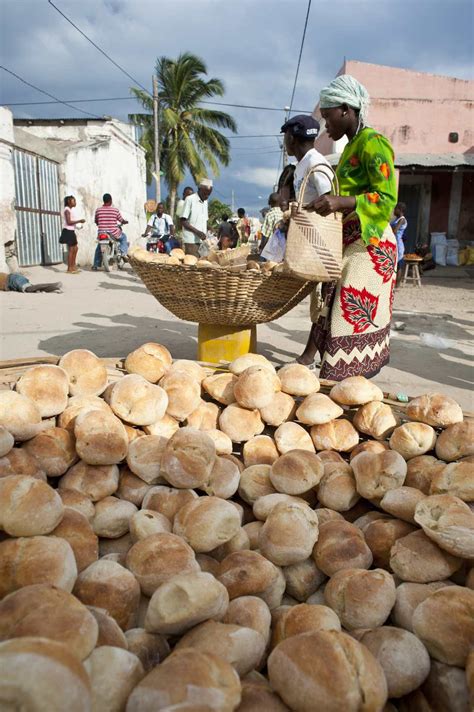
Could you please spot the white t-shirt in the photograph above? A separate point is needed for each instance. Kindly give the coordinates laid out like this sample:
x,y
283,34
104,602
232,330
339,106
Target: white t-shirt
x,y
318,184
161,225
195,211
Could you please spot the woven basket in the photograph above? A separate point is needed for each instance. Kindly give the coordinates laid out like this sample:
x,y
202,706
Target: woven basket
x,y
212,295
235,256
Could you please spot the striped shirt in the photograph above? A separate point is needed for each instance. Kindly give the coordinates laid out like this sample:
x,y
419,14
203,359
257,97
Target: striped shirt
x,y
107,217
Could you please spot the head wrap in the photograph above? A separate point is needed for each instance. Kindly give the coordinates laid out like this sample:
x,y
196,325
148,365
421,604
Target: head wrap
x,y
206,183
345,89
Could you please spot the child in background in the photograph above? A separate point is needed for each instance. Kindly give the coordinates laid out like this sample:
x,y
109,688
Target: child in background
x,y
399,225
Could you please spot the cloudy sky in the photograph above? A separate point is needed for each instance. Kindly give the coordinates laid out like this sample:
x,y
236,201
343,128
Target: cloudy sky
x,y
251,45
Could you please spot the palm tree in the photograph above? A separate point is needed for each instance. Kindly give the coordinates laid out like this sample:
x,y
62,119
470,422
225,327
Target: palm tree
x,y
189,139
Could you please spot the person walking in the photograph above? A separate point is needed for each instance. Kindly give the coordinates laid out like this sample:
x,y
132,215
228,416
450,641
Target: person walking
x,y
243,226
271,220
194,218
227,229
179,208
68,234
109,219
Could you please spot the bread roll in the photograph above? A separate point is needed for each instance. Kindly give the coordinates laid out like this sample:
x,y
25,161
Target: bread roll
x,y
305,618
20,415
86,372
435,409
183,392
403,657
36,559
113,672
377,473
303,579
341,545
247,573
101,439
449,522
456,479
337,488
131,488
361,599
112,516
77,530
381,534
190,368
291,436
238,542
456,441
297,380
158,558
289,534
47,386
106,584
221,387
444,622
94,481
241,363
144,457
421,470
20,462
150,648
252,530
259,696
329,667
222,441
147,522
206,522
40,675
78,502
281,408
416,558
249,612
255,482
28,507
260,450
355,390
188,458
446,688
75,405
109,631
337,435
151,361
137,401
44,611
7,441
265,504
166,427
408,598
54,450
318,409
401,502
224,479
413,439
367,446
167,500
205,417
296,472
255,387
376,419
327,515
188,679
240,424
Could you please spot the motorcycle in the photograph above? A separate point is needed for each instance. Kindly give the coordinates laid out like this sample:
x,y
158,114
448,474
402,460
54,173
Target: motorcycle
x,y
109,248
156,243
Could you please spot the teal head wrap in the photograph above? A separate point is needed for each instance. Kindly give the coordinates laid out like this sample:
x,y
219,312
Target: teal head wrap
x,y
345,89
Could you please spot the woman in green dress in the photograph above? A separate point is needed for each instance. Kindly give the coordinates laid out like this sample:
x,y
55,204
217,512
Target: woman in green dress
x,y
352,334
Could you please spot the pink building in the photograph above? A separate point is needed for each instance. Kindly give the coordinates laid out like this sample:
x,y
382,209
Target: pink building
x,y
429,120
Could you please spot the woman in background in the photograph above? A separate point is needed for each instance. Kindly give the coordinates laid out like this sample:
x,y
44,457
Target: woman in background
x,y
68,234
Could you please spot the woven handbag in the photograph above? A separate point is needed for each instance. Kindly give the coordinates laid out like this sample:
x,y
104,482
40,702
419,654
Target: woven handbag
x,y
314,242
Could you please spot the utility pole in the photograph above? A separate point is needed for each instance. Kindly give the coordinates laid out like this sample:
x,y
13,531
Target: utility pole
x,y
156,138
285,155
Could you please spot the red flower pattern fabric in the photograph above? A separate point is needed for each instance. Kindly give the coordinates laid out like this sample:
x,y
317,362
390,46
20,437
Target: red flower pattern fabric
x,y
359,308
384,258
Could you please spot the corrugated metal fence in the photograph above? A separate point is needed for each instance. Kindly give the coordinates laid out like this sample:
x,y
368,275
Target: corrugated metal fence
x,y
38,210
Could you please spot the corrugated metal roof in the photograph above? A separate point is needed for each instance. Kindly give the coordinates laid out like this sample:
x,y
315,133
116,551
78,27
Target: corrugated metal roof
x,y
424,160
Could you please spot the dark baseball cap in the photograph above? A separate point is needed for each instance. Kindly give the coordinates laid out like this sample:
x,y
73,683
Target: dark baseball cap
x,y
302,125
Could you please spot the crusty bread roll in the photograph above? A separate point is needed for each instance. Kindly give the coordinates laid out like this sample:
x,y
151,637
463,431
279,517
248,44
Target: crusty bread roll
x,y
113,672
242,647
252,530
361,599
297,380
54,449
20,415
147,522
222,441
20,462
416,558
401,502
296,472
86,372
188,458
240,424
447,687
249,612
78,502
408,598
133,433
304,618
376,419
47,386
303,579
205,417
28,506
341,545
44,611
368,517
76,404
183,392
77,530
258,695
337,435
110,632
435,409
166,427
381,534
241,363
158,558
224,479
150,361
108,585
456,479
449,522
329,669
260,450
221,387
413,439
144,457
281,408
131,487
368,446
444,622
206,522
7,441
150,648
184,679
318,409
265,504
94,481
421,470
238,542
337,488
167,500
255,387
190,368
41,675
377,473
291,436
101,438
404,658
255,482
137,401
112,517
289,534
327,515
355,390
184,601
247,573
36,559
456,441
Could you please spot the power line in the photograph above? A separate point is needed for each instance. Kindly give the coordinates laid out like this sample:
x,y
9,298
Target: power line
x,y
301,52
124,71
46,93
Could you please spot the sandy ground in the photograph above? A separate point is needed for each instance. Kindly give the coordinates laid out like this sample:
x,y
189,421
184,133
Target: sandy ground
x,y
111,314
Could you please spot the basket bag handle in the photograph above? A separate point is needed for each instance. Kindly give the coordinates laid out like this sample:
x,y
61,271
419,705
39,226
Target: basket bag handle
x,y
317,169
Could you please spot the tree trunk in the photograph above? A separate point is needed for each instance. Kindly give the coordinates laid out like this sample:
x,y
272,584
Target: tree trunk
x,y
173,189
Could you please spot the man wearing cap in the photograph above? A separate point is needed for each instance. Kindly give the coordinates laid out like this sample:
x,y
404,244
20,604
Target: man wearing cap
x,y
194,218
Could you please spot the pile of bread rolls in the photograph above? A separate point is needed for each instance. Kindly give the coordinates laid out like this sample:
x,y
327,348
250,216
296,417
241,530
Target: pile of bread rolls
x,y
181,539
178,257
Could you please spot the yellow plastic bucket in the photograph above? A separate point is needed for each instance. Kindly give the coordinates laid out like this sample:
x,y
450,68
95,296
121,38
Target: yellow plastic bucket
x,y
225,343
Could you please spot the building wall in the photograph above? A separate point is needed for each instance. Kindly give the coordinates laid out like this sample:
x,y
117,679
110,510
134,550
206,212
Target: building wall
x,y
440,199
7,184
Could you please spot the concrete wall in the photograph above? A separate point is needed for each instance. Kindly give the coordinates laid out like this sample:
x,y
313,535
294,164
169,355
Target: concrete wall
x,y
7,184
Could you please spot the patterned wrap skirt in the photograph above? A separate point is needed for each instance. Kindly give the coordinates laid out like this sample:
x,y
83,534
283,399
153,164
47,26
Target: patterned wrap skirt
x,y
353,331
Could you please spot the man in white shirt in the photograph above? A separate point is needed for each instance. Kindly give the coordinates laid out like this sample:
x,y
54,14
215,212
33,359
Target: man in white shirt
x,y
194,218
179,207
161,226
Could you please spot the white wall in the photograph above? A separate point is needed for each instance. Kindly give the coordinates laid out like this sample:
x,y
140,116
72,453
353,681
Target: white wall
x,y
7,185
